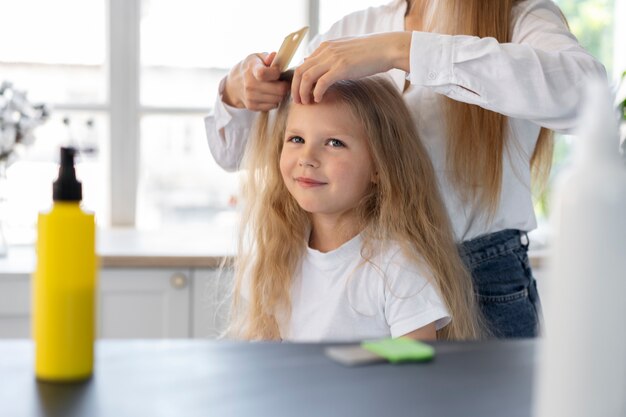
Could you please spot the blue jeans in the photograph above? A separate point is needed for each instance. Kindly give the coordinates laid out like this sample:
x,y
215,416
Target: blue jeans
x,y
503,283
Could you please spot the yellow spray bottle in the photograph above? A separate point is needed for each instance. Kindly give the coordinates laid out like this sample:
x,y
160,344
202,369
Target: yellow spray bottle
x,y
64,285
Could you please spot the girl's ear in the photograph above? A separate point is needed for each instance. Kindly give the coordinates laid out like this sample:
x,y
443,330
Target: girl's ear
x,y
375,177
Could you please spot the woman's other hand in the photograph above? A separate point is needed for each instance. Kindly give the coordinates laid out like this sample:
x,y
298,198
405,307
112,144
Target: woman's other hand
x,y
253,84
349,59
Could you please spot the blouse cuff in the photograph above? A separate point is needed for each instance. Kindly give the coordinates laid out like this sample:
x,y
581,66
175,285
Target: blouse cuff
x,y
431,59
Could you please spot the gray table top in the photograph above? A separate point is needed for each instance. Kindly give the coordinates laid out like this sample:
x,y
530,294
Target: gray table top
x,y
191,378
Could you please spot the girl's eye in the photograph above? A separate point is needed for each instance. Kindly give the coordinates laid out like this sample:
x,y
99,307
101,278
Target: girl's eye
x,y
295,139
336,143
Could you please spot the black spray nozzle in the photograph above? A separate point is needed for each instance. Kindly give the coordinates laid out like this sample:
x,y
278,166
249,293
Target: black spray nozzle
x,y
67,187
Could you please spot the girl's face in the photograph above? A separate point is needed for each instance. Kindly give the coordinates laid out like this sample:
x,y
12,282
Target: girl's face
x,y
325,161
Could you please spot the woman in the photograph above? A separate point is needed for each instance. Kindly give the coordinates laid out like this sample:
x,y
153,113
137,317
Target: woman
x,y
484,80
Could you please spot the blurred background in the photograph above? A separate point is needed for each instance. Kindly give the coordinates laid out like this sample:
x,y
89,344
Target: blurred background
x,y
130,82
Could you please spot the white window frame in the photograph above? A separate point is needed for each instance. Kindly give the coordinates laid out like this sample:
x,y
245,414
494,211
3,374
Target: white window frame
x,y
123,21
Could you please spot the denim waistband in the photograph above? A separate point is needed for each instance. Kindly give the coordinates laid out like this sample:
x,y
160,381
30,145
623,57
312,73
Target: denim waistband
x,y
492,245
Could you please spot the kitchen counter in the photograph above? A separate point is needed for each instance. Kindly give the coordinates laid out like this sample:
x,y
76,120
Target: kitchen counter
x,y
132,248
205,378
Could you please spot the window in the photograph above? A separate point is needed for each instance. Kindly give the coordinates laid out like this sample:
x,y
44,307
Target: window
x,y
61,62
186,48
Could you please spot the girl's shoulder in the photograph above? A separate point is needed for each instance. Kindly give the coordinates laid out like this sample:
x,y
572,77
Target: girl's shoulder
x,y
397,259
399,269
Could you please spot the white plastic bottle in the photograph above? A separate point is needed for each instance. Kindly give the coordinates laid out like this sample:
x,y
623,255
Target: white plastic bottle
x,y
582,360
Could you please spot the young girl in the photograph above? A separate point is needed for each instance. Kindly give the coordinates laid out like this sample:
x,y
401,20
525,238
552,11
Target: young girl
x,y
344,234
484,80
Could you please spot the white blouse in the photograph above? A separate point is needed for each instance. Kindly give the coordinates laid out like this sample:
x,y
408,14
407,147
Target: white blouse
x,y
536,80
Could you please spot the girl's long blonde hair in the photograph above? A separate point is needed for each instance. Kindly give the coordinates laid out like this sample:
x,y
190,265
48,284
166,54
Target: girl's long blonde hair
x,y
476,136
404,206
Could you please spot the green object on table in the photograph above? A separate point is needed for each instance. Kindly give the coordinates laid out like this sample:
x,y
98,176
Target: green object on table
x,y
402,349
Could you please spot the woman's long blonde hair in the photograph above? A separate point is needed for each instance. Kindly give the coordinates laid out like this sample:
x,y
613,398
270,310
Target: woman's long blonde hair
x,y
404,206
476,136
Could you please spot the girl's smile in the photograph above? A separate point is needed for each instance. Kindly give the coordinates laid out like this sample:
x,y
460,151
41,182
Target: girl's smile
x,y
309,182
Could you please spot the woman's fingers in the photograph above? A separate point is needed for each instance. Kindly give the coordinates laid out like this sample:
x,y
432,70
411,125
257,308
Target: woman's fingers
x,y
348,59
253,85
260,89
295,84
258,97
322,85
269,58
330,62
254,82
263,73
272,95
307,75
307,79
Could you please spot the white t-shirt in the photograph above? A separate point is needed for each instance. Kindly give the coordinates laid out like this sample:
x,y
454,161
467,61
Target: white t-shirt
x,y
535,80
337,296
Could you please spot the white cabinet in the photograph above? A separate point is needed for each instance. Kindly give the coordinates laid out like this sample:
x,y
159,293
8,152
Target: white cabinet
x,y
135,303
143,303
152,284
15,306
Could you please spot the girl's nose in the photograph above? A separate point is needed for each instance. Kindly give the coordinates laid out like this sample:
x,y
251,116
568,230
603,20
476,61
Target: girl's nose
x,y
307,162
308,158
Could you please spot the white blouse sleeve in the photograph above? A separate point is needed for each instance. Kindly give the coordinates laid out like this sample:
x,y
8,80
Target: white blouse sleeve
x,y
536,77
227,132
